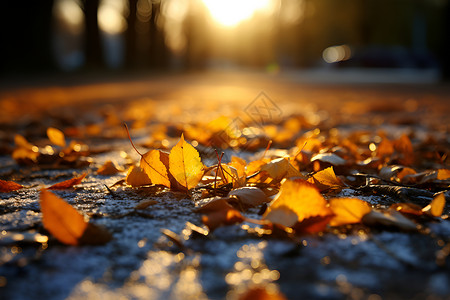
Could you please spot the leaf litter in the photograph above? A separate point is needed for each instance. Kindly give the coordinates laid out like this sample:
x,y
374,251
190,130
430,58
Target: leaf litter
x,y
292,195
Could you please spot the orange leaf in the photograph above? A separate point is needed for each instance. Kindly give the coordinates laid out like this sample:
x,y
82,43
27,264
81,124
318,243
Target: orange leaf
x,y
443,174
222,217
436,207
56,137
348,210
185,164
109,168
385,148
67,184
62,220
153,165
9,186
280,168
297,200
326,180
137,177
312,225
261,293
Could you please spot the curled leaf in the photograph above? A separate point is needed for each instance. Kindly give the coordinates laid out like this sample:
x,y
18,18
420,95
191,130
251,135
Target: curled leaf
x,y
9,186
249,196
67,184
326,180
389,218
280,168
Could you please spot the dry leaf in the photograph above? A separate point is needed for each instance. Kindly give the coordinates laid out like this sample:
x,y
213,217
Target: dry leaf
x,y
62,220
215,204
348,210
9,186
443,174
280,168
261,293
67,184
153,165
24,150
222,217
436,207
407,208
56,136
137,177
326,180
67,225
297,200
143,204
185,164
109,168
385,149
249,196
330,158
390,218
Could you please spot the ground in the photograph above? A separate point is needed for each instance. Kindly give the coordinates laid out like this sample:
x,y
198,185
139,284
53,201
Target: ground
x,y
141,262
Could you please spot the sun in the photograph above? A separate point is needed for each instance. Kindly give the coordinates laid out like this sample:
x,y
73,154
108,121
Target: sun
x,y
230,13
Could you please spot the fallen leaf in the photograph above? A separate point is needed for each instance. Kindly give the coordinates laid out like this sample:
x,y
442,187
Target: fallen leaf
x,y
385,149
63,221
185,164
143,204
280,168
108,168
297,198
67,184
436,207
389,218
67,225
326,180
222,217
443,174
249,196
153,165
56,136
9,186
24,150
348,210
330,158
215,204
137,177
261,293
407,208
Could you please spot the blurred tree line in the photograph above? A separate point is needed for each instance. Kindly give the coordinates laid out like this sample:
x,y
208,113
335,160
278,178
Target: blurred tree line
x,y
292,36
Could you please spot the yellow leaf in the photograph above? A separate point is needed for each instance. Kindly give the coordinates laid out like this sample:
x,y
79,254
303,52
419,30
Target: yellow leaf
x,y
185,164
436,207
443,174
326,180
56,136
348,210
280,168
299,197
137,177
153,166
63,221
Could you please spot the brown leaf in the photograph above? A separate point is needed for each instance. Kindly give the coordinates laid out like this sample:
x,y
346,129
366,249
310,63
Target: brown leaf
x,y
249,196
9,186
109,168
222,217
389,218
67,184
143,204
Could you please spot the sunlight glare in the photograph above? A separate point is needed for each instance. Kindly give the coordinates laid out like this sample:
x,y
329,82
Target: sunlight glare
x,y
232,12
111,16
